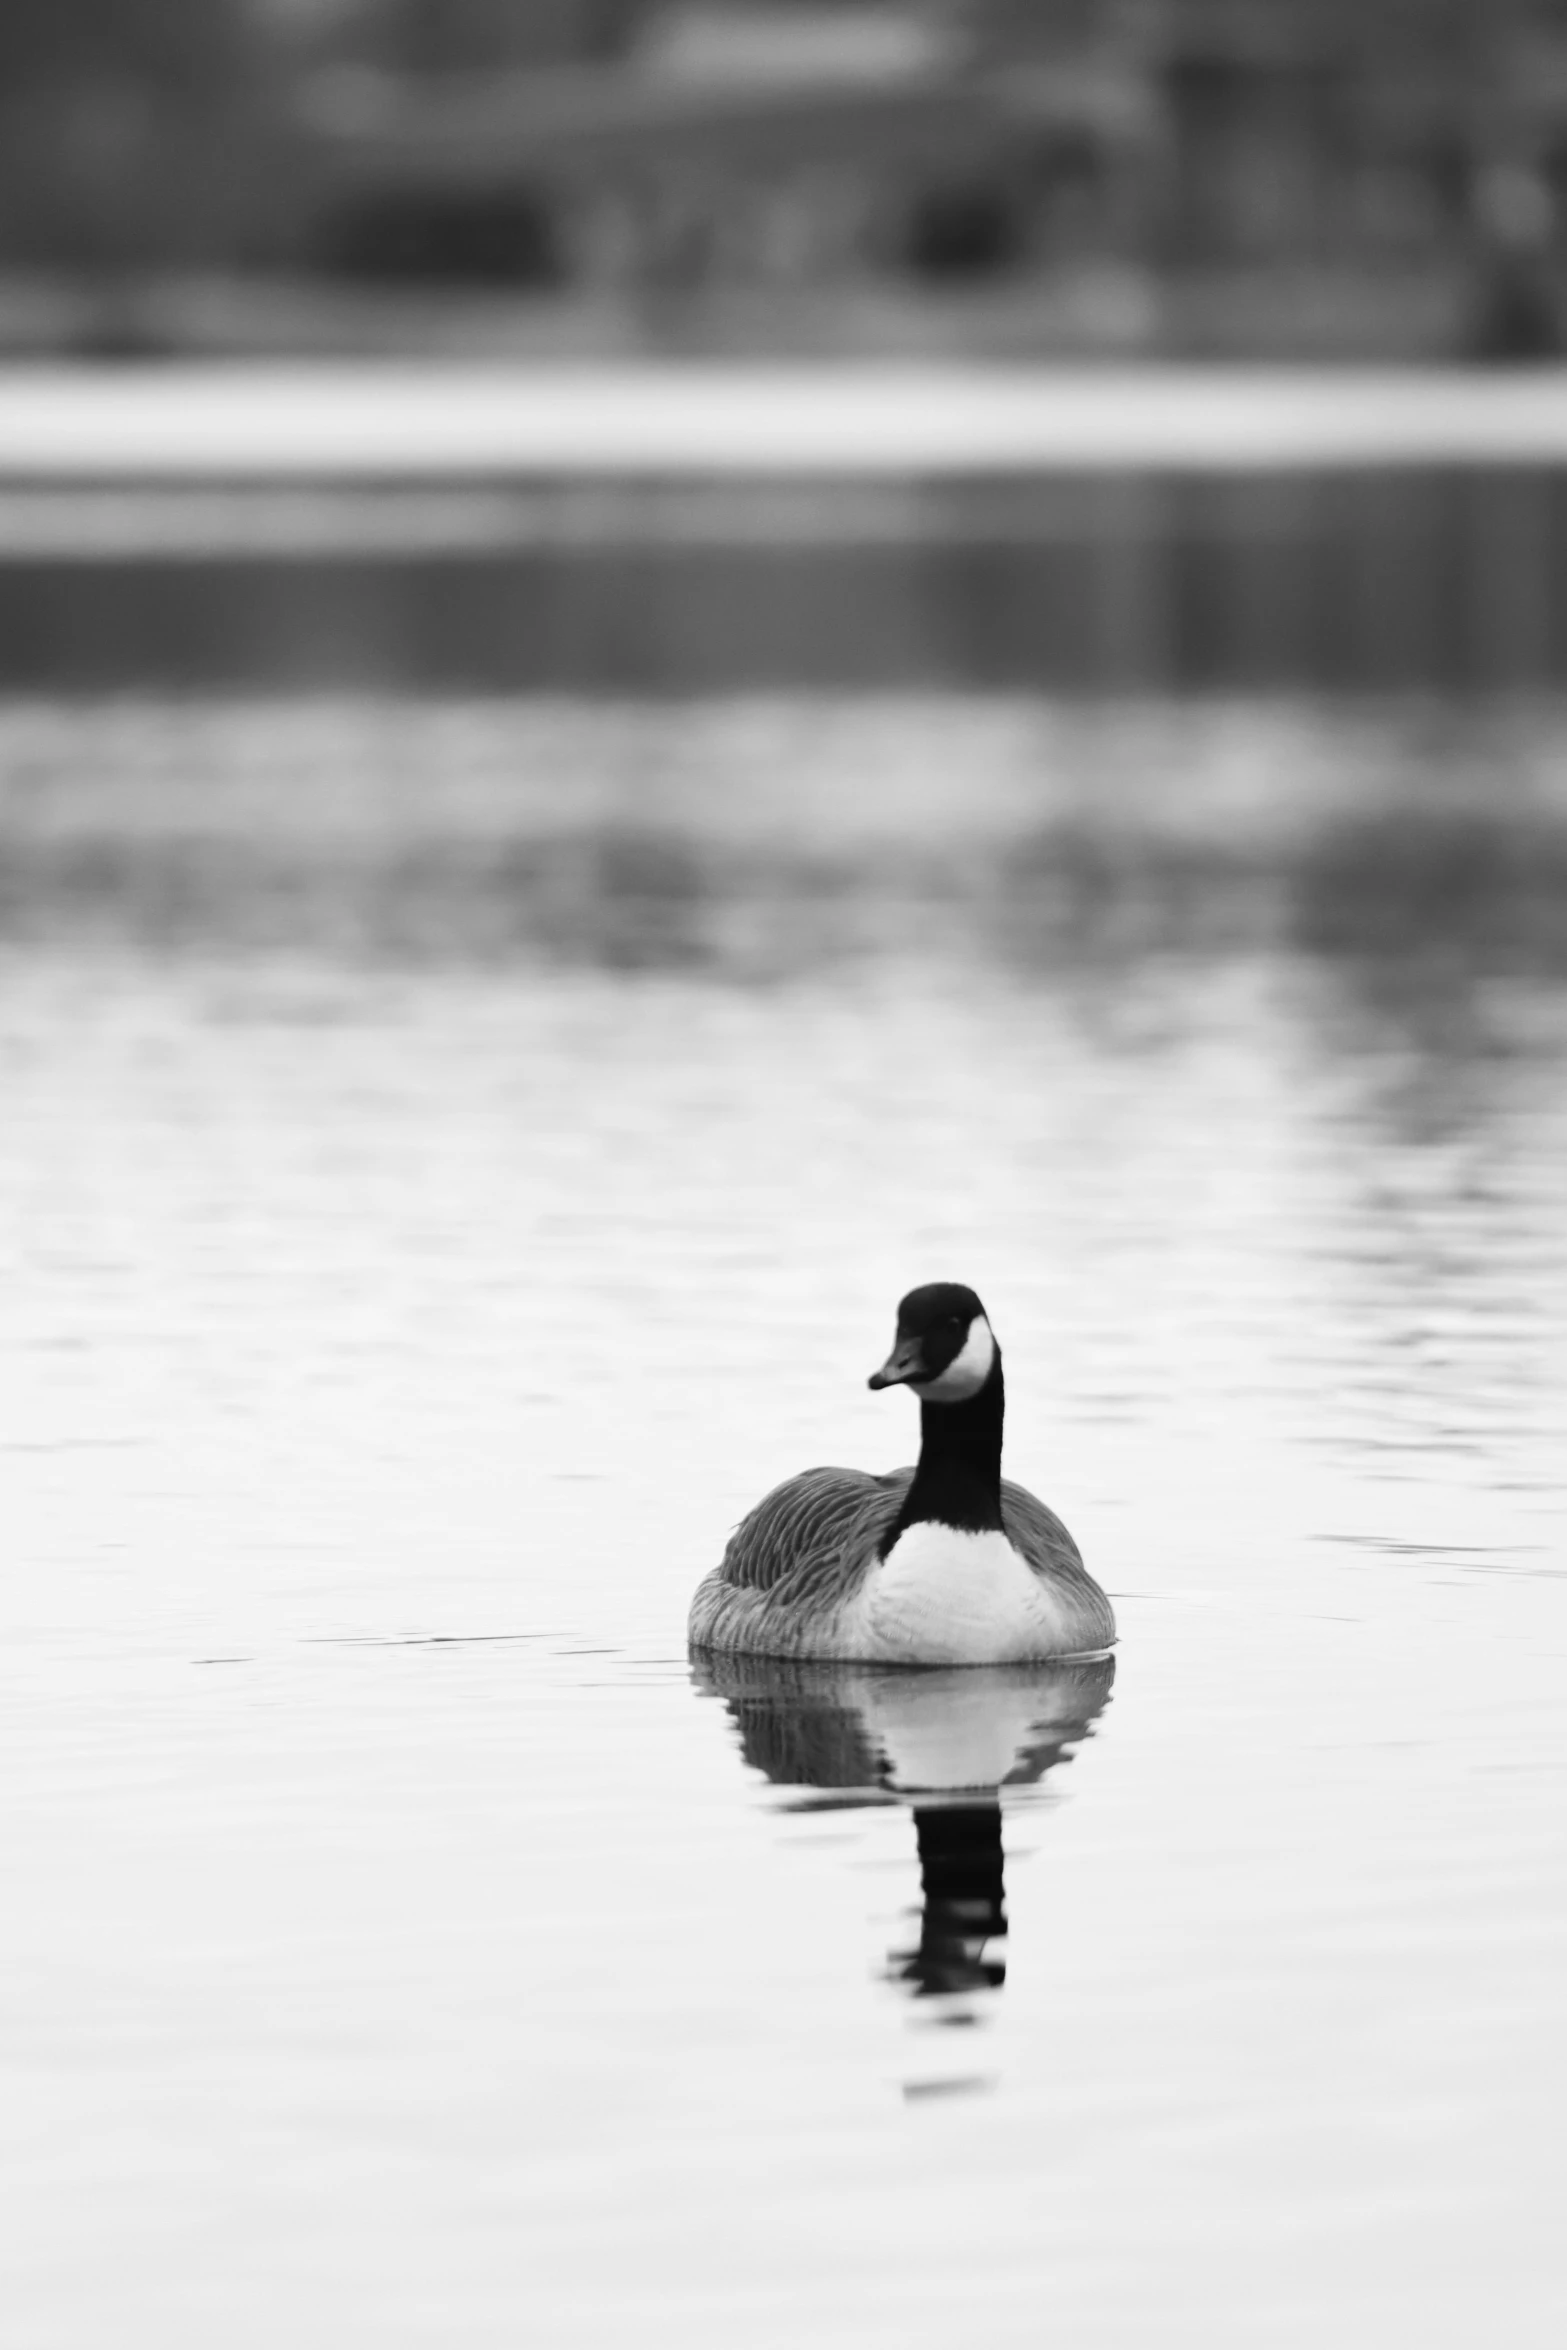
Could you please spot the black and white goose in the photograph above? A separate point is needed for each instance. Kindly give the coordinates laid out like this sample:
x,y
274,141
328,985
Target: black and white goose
x,y
947,1563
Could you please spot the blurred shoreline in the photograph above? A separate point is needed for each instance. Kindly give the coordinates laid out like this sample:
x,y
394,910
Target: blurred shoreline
x,y
710,527
435,419
1083,312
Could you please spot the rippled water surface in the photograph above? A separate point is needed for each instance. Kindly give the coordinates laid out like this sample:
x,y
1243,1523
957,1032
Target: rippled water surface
x,y
455,1159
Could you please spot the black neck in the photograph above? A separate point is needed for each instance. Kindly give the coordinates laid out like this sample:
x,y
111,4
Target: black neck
x,y
958,1480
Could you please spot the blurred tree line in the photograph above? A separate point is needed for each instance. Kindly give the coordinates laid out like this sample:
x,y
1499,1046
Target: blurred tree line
x,y
132,129
148,135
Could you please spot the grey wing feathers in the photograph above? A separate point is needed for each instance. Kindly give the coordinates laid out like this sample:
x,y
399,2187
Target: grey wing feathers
x,y
1035,1532
1039,1537
804,1548
815,1516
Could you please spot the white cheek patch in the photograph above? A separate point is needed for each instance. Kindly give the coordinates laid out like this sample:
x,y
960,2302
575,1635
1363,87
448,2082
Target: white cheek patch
x,y
966,1374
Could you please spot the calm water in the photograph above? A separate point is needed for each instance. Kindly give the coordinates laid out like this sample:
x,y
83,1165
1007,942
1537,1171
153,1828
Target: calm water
x,y
455,1158
1432,578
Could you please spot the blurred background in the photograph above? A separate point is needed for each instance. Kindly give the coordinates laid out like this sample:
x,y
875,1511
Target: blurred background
x,y
1302,178
573,264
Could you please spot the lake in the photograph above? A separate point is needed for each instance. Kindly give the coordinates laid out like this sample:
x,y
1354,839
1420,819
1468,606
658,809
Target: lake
x,y
460,1152
1416,578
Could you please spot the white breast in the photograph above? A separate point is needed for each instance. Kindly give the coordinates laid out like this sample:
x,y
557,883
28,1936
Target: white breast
x,y
941,1597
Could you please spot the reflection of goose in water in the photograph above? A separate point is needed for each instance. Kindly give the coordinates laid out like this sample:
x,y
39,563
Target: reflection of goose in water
x,y
944,1743
942,1564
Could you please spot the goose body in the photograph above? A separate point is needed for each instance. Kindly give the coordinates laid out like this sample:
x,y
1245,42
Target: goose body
x,y
946,1563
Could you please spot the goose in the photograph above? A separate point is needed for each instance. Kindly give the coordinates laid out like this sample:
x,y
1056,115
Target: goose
x,y
947,1563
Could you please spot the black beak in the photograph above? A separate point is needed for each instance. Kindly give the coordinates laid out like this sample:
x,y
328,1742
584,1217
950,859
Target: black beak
x,y
905,1362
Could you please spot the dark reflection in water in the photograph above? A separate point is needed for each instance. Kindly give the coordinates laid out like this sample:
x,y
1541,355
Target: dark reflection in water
x,y
963,1910
625,897
1413,905
944,1743
1446,578
1480,886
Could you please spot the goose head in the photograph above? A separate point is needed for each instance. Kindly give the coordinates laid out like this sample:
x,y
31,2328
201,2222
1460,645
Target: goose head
x,y
944,1348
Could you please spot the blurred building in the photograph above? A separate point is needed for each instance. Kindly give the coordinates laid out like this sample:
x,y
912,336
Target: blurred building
x,y
1293,162
682,143
1162,174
